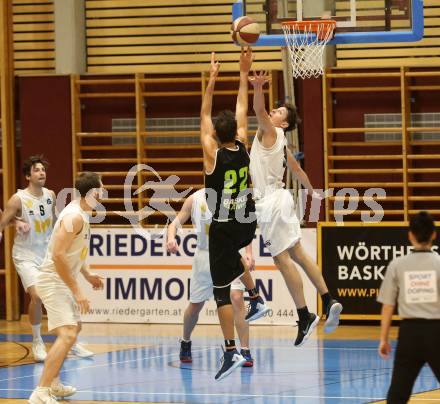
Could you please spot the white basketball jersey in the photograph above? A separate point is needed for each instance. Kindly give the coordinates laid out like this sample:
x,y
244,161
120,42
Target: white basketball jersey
x,y
268,165
78,251
38,212
201,218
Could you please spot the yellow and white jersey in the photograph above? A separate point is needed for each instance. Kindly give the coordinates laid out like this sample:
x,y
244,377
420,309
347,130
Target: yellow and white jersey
x,y
78,251
38,212
201,218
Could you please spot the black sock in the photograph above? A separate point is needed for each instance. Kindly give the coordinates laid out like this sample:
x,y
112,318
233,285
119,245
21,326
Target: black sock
x,y
303,314
230,344
253,293
326,298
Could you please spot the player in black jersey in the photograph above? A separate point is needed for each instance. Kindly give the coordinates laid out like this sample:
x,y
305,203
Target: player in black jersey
x,y
226,165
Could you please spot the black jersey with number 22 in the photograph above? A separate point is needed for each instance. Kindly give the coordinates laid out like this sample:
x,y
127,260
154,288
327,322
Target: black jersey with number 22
x,y
228,194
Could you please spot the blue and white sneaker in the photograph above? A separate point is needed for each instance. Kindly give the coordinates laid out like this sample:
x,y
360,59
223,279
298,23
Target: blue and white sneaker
x,y
306,328
332,316
256,309
246,354
231,360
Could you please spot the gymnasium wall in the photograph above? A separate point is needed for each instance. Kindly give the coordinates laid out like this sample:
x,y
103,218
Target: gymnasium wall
x,y
46,126
34,36
309,101
165,36
126,36
382,131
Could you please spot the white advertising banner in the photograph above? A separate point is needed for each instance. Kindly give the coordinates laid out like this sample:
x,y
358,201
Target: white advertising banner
x,y
145,284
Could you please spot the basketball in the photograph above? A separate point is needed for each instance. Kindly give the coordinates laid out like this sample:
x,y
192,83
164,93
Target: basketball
x,y
245,31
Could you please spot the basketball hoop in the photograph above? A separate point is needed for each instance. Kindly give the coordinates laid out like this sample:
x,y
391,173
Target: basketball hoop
x,y
306,41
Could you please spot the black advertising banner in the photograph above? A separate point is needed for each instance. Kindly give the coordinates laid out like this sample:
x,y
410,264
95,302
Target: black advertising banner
x,y
354,259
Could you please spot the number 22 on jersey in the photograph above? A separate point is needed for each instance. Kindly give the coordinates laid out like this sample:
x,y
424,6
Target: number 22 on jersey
x,y
232,177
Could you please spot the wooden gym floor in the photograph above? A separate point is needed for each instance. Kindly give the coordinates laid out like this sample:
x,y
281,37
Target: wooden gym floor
x,y
140,363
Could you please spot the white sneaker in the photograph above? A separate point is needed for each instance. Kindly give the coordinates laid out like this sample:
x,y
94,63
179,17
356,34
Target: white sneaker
x,y
41,395
39,350
58,389
332,316
80,351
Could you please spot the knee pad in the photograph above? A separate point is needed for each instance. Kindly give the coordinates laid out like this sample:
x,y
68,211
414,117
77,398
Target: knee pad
x,y
222,296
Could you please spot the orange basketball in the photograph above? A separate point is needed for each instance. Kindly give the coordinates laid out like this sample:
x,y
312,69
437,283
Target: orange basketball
x,y
245,31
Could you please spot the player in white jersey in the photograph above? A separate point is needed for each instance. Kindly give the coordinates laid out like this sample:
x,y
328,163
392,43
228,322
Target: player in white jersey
x,y
58,287
34,207
33,210
276,211
201,289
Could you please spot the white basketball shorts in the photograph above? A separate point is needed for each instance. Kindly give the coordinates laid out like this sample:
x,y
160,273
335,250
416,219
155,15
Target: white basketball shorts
x,y
277,221
59,302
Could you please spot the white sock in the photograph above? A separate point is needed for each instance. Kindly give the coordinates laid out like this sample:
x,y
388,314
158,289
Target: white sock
x,y
56,380
36,331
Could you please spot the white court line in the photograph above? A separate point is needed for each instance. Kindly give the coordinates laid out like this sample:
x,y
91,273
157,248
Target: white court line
x,y
109,364
196,350
233,395
310,348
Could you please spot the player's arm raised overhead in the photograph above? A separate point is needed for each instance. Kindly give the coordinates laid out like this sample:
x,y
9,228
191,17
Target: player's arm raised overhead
x,y
266,132
181,218
207,138
70,226
241,110
12,210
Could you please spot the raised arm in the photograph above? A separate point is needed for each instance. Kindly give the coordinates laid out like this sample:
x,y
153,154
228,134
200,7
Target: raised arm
x,y
181,218
12,210
266,132
207,138
241,110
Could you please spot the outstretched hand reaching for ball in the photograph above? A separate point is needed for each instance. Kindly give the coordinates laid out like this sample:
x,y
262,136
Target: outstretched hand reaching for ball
x,y
214,68
259,79
246,59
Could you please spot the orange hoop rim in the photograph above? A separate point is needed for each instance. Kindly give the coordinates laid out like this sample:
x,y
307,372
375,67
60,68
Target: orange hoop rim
x,y
312,25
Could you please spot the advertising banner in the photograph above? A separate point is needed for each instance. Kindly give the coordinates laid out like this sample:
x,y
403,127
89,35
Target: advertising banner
x,y
354,258
145,284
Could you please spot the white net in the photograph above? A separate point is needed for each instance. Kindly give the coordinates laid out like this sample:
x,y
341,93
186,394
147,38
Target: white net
x,y
306,41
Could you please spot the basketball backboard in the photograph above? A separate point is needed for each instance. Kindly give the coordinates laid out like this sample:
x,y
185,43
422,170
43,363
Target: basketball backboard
x,y
357,21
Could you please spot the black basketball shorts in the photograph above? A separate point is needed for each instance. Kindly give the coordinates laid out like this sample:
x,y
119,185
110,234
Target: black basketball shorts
x,y
226,239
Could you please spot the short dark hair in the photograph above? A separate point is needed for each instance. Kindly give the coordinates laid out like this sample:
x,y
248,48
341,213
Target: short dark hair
x,y
422,227
31,161
293,118
87,181
225,126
